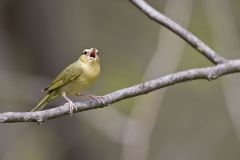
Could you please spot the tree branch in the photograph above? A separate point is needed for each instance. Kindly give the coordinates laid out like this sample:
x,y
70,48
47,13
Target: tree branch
x,y
176,28
208,73
223,67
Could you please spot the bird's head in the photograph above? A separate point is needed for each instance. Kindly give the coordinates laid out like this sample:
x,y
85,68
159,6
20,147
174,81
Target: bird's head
x,y
89,55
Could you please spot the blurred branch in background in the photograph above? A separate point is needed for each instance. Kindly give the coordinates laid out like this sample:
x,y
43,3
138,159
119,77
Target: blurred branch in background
x,y
223,67
227,42
137,136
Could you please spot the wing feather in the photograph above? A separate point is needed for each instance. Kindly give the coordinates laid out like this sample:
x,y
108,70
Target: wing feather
x,y
67,75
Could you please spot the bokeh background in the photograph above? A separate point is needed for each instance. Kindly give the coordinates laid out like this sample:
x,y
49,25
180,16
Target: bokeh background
x,y
193,120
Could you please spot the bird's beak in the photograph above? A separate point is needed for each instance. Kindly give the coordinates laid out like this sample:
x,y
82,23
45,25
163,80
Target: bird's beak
x,y
93,53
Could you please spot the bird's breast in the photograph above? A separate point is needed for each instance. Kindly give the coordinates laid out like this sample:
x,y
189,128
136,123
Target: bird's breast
x,y
84,80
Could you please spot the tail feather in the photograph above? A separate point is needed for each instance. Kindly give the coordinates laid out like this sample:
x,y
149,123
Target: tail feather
x,y
42,103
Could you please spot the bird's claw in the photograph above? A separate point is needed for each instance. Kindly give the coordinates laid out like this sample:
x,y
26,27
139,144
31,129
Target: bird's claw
x,y
98,98
72,107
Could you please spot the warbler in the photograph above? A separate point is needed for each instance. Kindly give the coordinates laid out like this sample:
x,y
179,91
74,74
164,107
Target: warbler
x,y
75,78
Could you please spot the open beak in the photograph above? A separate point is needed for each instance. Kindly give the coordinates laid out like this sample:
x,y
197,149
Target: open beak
x,y
93,53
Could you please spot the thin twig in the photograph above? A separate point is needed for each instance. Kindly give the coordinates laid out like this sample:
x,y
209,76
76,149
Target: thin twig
x,y
176,28
208,73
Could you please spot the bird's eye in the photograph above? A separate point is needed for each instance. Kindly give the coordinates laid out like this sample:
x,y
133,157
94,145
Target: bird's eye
x,y
84,52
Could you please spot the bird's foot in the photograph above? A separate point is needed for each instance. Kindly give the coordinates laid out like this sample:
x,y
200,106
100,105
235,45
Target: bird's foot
x,y
72,107
97,98
70,103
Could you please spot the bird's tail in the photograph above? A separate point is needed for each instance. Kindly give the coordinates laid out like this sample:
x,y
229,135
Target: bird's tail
x,y
42,103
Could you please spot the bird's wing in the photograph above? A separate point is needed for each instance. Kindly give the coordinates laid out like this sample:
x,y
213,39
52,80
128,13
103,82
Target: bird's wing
x,y
67,75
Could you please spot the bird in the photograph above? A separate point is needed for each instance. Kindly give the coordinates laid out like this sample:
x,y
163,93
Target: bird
x,y
75,78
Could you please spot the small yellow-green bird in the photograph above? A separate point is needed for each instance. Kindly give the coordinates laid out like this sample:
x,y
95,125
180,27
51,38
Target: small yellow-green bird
x,y
78,76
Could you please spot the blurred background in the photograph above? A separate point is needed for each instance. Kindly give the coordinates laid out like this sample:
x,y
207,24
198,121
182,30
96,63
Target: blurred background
x,y
194,120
